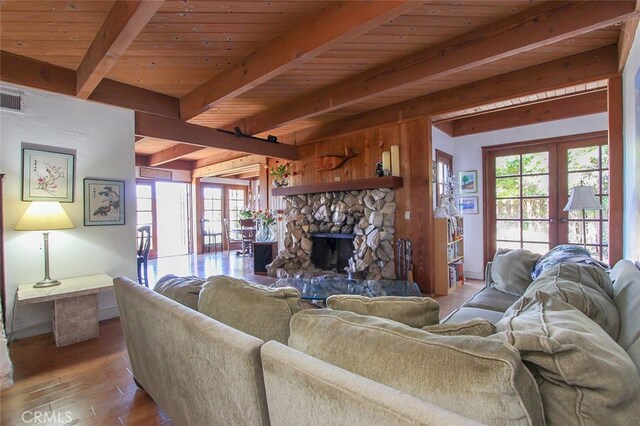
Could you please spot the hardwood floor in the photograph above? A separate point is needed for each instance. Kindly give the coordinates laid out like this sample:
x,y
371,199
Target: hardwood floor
x,y
90,383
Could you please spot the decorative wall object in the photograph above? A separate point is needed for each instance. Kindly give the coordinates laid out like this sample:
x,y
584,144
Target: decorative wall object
x,y
103,202
468,181
468,205
148,172
332,162
47,175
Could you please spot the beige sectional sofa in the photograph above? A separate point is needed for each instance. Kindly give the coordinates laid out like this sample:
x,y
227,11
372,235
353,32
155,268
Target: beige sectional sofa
x,y
321,366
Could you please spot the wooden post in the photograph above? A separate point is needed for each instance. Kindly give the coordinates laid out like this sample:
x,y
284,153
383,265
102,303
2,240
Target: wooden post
x,y
418,135
616,190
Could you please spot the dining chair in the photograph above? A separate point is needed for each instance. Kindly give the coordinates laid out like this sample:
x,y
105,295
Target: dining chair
x,y
248,231
208,233
229,233
143,254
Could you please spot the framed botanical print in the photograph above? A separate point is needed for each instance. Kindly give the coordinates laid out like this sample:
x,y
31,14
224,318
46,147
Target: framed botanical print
x,y
47,175
103,202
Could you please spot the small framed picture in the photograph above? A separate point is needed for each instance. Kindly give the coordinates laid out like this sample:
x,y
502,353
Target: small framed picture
x,y
103,202
468,181
468,205
47,175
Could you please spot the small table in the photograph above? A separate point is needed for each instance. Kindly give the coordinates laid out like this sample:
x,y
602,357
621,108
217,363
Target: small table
x,y
319,288
75,305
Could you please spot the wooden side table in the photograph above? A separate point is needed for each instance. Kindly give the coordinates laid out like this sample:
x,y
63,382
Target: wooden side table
x,y
75,305
263,253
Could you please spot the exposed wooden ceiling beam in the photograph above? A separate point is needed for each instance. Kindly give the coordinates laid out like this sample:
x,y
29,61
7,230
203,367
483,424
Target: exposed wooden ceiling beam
x,y
539,112
172,153
126,19
586,67
218,158
323,30
41,75
154,126
238,164
539,26
627,35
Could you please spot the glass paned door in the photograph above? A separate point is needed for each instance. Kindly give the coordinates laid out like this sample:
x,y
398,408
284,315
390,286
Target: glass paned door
x,y
528,187
213,207
236,202
145,212
522,201
588,165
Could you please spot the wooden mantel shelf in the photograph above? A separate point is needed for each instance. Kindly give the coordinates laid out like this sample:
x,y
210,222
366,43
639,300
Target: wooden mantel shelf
x,y
345,185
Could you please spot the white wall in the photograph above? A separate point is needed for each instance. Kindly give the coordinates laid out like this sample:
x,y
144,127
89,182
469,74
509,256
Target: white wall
x,y
631,135
103,138
442,142
468,156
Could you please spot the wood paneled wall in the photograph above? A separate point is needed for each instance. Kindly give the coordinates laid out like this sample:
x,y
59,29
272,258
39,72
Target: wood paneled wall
x,y
415,197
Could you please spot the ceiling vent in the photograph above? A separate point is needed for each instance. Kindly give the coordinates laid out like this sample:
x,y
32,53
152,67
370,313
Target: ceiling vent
x,y
11,101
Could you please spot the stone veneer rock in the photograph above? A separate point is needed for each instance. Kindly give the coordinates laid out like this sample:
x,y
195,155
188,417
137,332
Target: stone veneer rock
x,y
369,214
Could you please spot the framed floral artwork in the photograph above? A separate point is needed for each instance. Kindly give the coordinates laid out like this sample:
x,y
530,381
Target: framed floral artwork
x,y
47,175
103,202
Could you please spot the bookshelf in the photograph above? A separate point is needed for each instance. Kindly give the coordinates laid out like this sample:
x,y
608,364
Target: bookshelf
x,y
449,254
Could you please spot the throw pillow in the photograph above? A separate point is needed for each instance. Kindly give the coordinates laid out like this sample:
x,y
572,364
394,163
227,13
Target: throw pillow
x,y
185,290
479,378
564,253
258,310
412,311
585,288
511,270
476,327
585,378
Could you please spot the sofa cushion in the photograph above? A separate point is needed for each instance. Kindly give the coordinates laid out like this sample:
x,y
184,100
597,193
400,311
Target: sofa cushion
x,y
585,288
475,327
465,314
585,377
412,311
511,270
626,290
479,378
261,311
491,299
184,290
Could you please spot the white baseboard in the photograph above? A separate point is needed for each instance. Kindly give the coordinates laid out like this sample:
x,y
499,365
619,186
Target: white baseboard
x,y
35,329
474,275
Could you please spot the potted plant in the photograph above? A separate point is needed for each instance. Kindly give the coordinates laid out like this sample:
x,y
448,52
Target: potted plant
x,y
280,174
247,213
266,219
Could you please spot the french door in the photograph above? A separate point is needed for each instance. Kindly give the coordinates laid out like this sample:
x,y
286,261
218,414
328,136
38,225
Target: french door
x,y
146,213
527,186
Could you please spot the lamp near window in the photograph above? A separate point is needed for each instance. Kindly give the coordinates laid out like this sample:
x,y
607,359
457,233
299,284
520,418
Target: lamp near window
x,y
45,216
583,198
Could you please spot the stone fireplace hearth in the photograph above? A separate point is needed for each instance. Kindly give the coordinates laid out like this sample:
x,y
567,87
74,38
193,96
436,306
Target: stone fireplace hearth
x,y
369,215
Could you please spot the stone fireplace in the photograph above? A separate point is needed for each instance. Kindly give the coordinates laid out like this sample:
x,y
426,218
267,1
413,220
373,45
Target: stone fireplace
x,y
364,218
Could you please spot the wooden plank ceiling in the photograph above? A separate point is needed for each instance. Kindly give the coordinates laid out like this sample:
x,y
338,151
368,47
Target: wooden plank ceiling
x,y
281,67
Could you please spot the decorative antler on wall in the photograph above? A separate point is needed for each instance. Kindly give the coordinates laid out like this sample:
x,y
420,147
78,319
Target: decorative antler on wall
x,y
332,162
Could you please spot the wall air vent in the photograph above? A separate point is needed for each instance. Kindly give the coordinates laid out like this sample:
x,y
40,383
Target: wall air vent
x,y
11,101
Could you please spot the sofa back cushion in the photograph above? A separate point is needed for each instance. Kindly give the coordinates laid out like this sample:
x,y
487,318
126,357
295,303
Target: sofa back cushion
x,y
586,288
585,377
511,270
184,290
188,362
261,311
626,289
479,378
412,311
476,327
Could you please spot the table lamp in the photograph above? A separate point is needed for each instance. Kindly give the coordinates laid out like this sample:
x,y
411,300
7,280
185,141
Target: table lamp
x,y
583,198
44,216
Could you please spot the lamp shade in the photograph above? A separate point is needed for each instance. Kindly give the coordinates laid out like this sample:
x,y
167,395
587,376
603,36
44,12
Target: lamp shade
x,y
44,216
582,197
